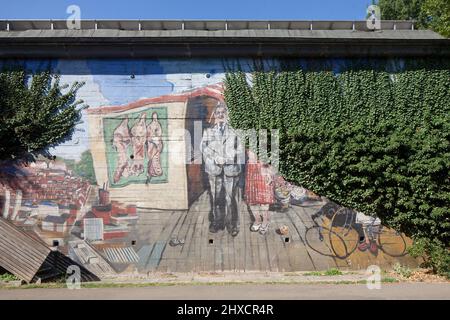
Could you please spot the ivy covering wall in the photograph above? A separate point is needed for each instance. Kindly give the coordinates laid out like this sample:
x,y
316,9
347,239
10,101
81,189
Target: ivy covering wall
x,y
371,140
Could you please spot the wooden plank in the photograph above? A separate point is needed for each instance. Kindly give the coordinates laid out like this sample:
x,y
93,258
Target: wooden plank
x,y
163,237
208,258
19,240
304,215
225,249
245,262
13,245
172,253
245,227
187,232
262,250
280,246
231,251
20,254
275,248
202,241
184,263
253,245
24,238
253,236
144,254
239,244
12,264
297,247
271,254
20,260
320,262
195,255
156,254
294,261
262,247
219,253
194,258
193,250
150,224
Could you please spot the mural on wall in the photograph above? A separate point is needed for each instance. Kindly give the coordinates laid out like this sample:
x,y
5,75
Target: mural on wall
x,y
155,179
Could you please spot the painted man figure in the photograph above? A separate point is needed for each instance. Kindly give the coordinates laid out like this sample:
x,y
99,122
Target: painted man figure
x,y
223,154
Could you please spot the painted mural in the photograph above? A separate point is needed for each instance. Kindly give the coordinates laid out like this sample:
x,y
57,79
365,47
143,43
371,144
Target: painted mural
x,y
134,147
155,179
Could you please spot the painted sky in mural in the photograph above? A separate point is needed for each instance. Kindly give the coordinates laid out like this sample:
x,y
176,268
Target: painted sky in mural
x,y
137,79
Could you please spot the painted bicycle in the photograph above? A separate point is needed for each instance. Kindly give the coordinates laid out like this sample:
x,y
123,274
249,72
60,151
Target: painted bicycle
x,y
344,230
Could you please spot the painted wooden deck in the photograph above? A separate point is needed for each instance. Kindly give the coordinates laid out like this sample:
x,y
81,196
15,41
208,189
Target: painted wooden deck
x,y
248,251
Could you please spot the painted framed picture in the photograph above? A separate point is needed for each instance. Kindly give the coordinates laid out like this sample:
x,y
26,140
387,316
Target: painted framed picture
x,y
136,147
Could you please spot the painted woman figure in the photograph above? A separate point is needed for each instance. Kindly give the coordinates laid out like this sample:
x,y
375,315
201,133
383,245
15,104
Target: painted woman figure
x,y
259,192
138,137
154,147
121,141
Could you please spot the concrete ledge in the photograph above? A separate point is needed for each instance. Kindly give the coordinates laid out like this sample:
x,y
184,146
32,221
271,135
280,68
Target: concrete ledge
x,y
218,34
231,48
220,43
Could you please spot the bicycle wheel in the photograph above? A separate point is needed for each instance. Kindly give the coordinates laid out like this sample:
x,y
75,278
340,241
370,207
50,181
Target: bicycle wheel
x,y
391,242
318,239
342,227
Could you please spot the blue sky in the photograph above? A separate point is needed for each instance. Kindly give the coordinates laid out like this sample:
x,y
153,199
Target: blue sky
x,y
188,9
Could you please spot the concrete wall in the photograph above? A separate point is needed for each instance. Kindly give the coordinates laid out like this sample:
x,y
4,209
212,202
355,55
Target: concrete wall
x,y
138,183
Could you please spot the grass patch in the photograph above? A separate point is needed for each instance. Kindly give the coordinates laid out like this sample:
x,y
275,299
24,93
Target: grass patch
x,y
403,271
6,277
169,275
313,273
329,272
333,272
389,280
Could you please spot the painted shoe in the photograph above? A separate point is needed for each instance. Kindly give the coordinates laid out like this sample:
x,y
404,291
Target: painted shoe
x,y
176,242
213,228
234,232
373,248
363,246
173,242
263,229
255,227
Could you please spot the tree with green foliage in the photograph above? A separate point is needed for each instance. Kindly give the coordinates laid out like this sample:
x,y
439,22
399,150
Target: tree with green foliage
x,y
371,140
432,14
400,9
436,15
84,167
36,113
